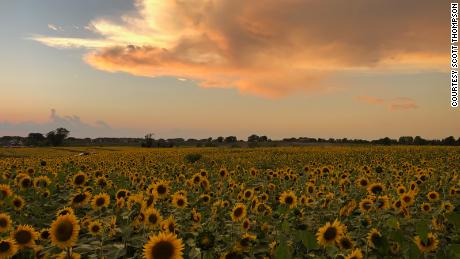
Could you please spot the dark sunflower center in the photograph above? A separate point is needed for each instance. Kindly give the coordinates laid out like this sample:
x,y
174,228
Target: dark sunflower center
x,y
17,203
433,196
161,189
330,233
64,231
171,228
153,218
100,201
376,189
345,243
4,246
79,198
95,228
247,194
238,212
26,183
3,222
363,182
180,202
289,200
23,237
407,198
376,239
45,234
428,243
163,250
121,194
79,179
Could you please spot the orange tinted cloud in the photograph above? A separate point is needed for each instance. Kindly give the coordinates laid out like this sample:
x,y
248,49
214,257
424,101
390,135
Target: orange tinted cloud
x,y
269,48
395,104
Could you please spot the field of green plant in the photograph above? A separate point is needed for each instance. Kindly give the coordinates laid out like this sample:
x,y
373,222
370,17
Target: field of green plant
x,y
296,202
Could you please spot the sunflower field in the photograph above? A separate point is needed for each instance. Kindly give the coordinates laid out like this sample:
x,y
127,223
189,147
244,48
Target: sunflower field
x,y
290,202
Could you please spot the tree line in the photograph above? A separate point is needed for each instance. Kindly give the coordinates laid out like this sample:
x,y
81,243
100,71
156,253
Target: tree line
x,y
60,136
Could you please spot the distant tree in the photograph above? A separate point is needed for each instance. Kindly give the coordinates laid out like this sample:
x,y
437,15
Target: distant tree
x,y
230,139
263,139
148,140
220,139
253,138
57,136
406,140
35,139
420,141
449,141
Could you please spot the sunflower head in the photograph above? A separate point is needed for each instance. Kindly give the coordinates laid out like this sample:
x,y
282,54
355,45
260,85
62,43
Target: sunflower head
x,y
238,212
24,236
164,246
64,231
330,233
100,201
375,239
5,222
429,245
8,248
95,228
289,199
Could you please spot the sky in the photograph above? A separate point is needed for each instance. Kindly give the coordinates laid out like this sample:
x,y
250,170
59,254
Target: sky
x,y
208,68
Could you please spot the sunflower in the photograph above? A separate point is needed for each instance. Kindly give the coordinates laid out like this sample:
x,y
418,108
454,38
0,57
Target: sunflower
x,y
433,196
5,191
223,172
246,224
355,254
169,225
95,228
161,189
238,212
245,241
18,203
345,243
205,198
401,190
5,222
64,231
80,199
330,233
8,248
196,216
25,182
248,194
205,240
163,246
152,217
426,207
100,200
288,198
362,182
25,236
430,245
63,255
365,205
447,206
382,202
408,199
375,188
79,179
122,193
64,211
179,201
45,234
374,238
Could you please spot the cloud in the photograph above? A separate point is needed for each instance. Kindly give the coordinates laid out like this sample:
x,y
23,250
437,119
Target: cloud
x,y
395,104
77,127
269,48
54,27
402,103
